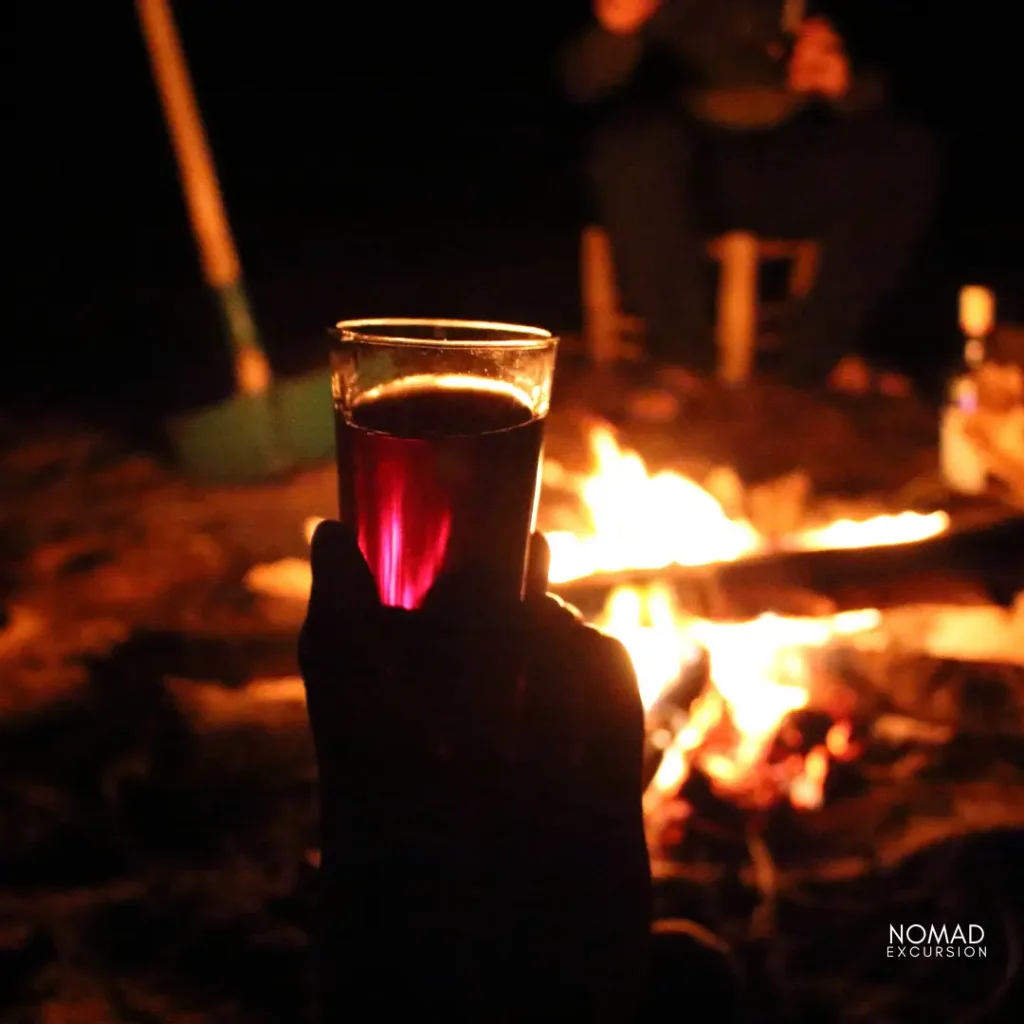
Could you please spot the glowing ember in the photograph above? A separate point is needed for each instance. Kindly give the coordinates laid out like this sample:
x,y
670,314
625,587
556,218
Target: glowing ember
x,y
806,790
838,741
759,674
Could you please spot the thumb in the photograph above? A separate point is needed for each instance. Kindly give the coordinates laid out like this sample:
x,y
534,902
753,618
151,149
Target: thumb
x,y
342,592
342,580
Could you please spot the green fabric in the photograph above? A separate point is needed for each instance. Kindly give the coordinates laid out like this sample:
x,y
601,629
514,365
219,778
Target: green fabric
x,y
255,437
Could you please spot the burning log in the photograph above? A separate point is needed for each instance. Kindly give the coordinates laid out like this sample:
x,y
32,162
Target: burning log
x,y
883,792
964,567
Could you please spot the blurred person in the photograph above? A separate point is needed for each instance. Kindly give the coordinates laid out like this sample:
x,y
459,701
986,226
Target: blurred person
x,y
712,118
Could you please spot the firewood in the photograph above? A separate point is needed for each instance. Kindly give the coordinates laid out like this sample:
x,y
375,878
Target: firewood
x,y
972,808
969,566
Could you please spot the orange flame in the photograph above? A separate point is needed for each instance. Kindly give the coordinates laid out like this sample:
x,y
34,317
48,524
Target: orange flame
x,y
759,669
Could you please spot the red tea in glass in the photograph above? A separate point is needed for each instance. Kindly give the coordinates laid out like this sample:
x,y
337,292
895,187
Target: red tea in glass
x,y
438,466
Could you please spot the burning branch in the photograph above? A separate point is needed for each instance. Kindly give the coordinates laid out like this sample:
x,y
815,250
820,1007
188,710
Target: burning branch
x,y
681,926
785,581
765,877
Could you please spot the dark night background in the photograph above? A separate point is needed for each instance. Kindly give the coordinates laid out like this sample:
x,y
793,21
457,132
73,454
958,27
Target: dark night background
x,y
383,160
376,160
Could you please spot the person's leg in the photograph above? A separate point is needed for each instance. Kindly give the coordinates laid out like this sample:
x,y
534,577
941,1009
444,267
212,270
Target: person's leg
x,y
641,169
871,202
863,188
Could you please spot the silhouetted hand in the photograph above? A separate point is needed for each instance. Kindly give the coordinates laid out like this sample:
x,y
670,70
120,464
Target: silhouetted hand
x,y
819,64
483,853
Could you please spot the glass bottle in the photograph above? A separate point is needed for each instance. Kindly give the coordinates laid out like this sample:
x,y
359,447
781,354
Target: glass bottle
x,y
962,464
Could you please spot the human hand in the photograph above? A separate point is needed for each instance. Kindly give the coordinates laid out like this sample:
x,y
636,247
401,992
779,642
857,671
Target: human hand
x,y
480,790
819,64
624,17
853,376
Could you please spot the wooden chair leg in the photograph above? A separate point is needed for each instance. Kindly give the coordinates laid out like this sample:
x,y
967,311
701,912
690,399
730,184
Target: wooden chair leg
x,y
803,270
600,299
736,326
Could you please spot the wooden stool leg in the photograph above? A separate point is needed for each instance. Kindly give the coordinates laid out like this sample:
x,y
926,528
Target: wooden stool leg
x,y
736,326
600,299
804,270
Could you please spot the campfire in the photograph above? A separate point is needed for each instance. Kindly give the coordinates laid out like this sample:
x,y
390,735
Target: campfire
x,y
724,695
793,740
811,671
833,689
757,670
811,719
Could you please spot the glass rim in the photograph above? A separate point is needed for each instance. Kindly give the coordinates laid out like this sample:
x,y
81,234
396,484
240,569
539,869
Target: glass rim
x,y
518,336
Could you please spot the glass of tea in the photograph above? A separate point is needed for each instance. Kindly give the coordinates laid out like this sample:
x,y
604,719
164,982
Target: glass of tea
x,y
439,428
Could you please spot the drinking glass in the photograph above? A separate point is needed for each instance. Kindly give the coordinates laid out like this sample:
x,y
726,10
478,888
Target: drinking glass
x,y
440,425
